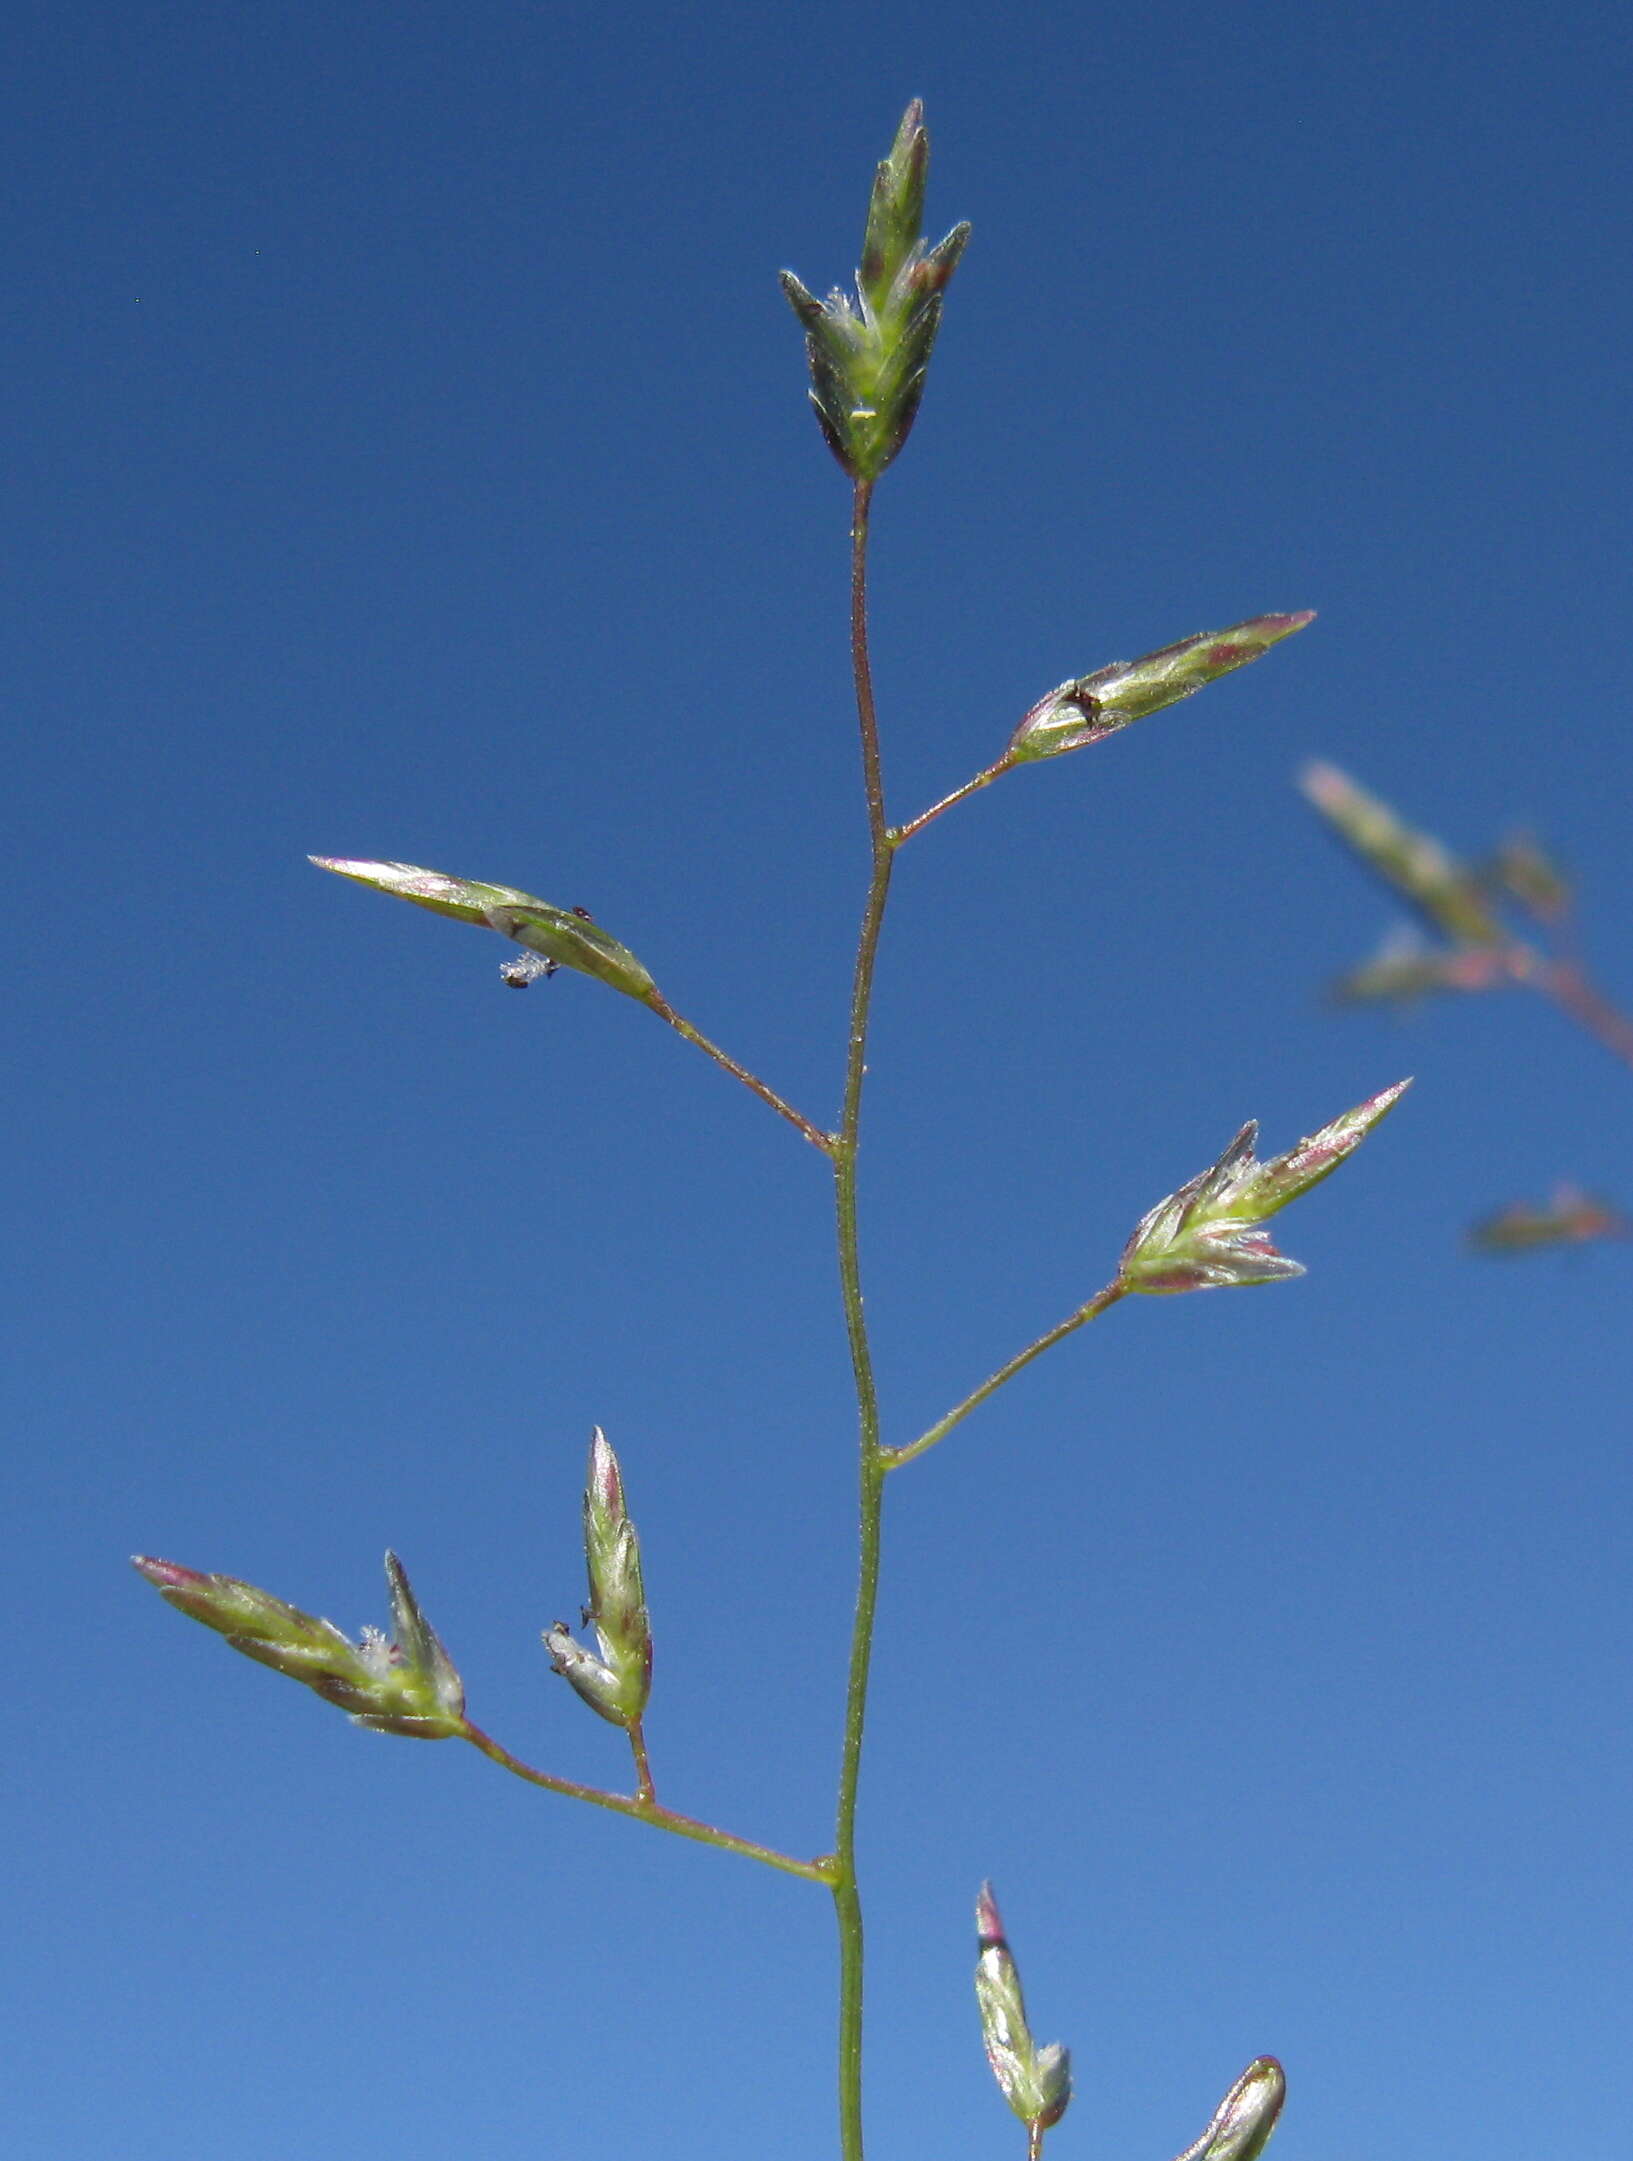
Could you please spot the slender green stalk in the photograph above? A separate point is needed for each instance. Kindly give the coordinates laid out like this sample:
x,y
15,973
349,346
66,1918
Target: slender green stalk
x,y
847,1900
894,1458
647,1810
645,1790
751,1081
983,779
868,721
847,1897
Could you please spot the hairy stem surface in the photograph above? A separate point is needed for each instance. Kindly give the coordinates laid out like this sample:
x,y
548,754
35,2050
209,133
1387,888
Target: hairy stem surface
x,y
751,1081
647,1810
983,779
847,1900
895,1457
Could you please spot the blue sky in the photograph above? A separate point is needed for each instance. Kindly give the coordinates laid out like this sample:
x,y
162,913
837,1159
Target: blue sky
x,y
410,459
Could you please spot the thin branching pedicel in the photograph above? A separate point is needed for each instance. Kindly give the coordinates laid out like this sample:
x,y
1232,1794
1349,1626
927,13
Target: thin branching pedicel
x,y
868,354
552,938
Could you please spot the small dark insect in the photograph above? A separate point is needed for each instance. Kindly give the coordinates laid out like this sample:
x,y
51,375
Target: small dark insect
x,y
585,914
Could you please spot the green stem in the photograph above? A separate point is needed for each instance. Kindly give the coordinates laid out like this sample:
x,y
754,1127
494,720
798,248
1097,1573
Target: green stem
x,y
647,1810
983,779
645,1790
894,1458
847,1900
682,1027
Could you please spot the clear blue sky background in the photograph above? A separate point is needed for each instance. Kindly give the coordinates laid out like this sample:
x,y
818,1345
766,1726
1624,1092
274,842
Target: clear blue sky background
x,y
410,458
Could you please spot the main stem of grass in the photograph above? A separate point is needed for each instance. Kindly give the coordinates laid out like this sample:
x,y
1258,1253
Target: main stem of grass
x,y
847,1899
